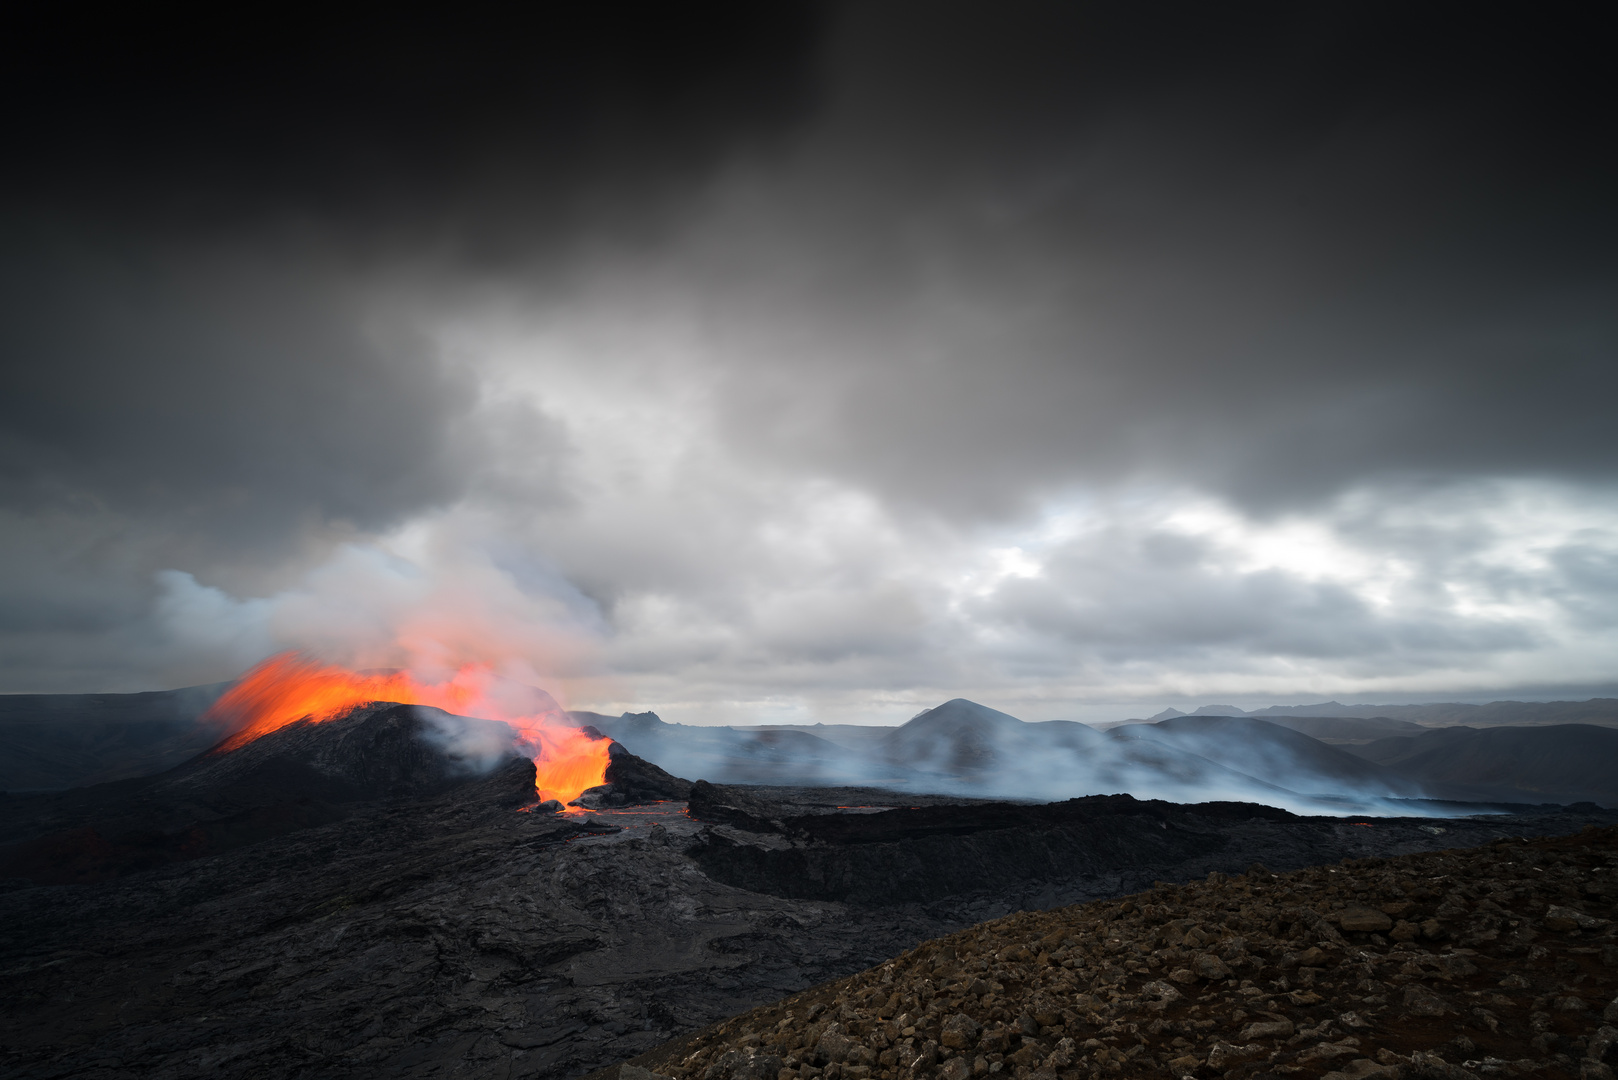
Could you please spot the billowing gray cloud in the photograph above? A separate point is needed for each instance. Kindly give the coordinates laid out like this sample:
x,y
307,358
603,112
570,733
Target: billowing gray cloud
x,y
748,362
240,394
195,223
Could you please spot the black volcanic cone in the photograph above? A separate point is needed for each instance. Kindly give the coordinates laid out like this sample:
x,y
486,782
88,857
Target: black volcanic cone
x,y
375,752
301,775
631,780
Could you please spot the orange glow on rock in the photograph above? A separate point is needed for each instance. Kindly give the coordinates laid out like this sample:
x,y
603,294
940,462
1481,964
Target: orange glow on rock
x,y
291,687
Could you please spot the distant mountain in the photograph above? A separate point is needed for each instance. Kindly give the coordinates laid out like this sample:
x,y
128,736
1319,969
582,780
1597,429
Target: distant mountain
x,y
53,741
1324,708
858,737
1282,756
1601,711
1201,710
1347,729
1561,763
961,737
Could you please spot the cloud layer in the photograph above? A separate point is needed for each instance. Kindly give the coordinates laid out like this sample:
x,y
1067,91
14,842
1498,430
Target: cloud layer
x,y
824,363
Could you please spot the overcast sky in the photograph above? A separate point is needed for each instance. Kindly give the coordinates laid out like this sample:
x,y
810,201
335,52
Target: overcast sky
x,y
782,363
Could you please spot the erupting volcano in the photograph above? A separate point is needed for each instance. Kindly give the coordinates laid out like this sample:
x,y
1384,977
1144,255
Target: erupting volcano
x,y
291,688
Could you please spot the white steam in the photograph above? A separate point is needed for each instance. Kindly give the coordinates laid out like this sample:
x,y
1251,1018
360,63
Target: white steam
x,y
445,605
477,745
961,748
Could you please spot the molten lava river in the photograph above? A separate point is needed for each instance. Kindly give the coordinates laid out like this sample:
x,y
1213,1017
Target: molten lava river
x,y
292,687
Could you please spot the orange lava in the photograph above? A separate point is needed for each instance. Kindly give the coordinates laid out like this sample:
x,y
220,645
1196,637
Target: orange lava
x,y
569,762
291,687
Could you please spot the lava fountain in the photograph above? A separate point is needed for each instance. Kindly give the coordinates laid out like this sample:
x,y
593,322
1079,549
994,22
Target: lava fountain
x,y
293,687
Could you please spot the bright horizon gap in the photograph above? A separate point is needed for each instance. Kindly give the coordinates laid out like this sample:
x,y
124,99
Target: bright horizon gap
x,y
896,714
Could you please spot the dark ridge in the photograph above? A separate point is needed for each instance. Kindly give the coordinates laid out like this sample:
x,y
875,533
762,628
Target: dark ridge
x,y
1344,729
1265,748
1555,763
1447,714
49,742
908,823
731,806
923,854
298,777
926,854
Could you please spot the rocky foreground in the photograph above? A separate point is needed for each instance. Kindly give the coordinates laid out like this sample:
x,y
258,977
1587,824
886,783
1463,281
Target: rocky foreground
x,y
1493,961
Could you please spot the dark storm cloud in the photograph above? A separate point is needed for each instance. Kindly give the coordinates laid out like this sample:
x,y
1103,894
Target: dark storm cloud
x,y
485,128
1277,251
1273,250
235,395
197,203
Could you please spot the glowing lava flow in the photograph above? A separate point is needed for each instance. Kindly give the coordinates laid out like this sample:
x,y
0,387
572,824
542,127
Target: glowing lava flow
x,y
291,687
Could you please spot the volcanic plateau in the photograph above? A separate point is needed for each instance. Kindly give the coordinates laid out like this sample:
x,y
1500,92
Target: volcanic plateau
x,y
375,892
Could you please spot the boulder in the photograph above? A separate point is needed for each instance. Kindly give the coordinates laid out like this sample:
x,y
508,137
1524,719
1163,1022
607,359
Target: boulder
x,y
960,1032
635,1072
1267,1029
741,1065
1364,1069
1429,1066
833,1046
1563,919
1364,920
1045,1009
1420,1001
1161,990
1603,1043
1326,1051
1223,1055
